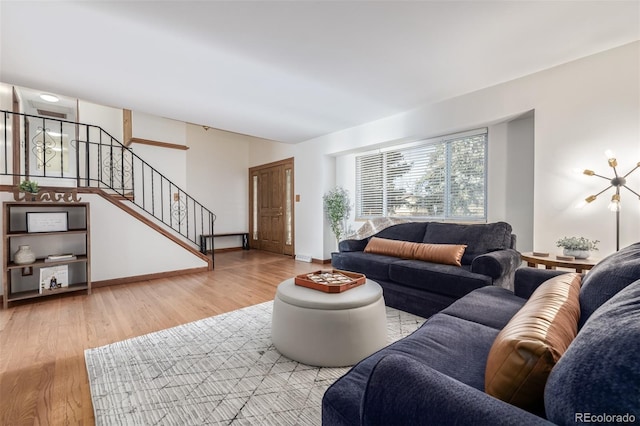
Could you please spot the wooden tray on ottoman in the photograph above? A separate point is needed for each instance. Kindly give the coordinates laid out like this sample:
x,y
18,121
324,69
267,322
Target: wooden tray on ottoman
x,y
330,281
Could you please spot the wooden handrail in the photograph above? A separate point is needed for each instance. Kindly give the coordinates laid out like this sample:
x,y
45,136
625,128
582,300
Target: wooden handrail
x,y
158,144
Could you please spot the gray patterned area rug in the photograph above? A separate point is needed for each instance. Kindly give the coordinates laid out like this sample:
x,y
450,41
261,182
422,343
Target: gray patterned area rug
x,y
221,370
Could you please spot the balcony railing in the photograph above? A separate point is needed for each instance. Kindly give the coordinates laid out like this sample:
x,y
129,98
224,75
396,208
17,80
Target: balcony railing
x,y
56,152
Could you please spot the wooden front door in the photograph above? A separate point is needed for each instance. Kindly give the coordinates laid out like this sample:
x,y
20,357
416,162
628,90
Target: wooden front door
x,y
271,207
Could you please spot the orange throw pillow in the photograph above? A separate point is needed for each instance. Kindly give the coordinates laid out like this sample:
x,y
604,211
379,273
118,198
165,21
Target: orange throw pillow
x,y
447,254
395,248
532,342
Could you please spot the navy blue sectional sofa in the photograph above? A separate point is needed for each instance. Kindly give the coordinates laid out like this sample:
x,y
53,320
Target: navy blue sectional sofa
x,y
424,288
437,375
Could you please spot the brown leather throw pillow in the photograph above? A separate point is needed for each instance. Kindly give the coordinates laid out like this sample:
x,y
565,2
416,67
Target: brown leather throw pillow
x,y
532,342
395,248
448,254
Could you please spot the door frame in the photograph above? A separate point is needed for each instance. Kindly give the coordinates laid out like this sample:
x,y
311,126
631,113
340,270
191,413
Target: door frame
x,y
287,163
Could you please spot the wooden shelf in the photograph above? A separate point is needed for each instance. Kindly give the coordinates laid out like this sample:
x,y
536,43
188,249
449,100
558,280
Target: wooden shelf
x,y
42,263
32,294
38,234
22,282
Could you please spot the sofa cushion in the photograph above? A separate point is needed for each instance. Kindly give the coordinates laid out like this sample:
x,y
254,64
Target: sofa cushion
x,y
374,266
491,306
479,238
449,280
529,346
412,231
600,372
453,346
402,391
395,248
608,277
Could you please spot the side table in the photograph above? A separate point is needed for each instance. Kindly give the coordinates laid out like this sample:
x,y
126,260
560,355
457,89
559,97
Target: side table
x,y
550,262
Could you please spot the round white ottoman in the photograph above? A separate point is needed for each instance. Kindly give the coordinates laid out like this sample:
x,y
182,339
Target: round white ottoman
x,y
328,329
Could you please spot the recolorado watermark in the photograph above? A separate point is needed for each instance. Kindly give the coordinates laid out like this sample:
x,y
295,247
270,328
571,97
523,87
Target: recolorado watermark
x,y
604,418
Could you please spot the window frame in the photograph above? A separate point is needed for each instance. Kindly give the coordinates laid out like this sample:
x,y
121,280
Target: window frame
x,y
429,146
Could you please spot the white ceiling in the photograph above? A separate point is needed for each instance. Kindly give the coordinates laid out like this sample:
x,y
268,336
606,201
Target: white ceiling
x,y
294,70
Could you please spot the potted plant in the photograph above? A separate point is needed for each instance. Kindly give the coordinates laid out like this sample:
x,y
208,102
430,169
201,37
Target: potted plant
x,y
337,208
578,247
30,187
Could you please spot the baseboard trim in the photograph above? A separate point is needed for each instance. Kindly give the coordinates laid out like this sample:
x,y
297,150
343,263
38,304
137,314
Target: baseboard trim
x,y
146,277
321,261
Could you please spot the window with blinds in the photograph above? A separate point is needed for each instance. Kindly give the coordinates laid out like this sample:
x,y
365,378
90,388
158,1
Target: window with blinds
x,y
434,179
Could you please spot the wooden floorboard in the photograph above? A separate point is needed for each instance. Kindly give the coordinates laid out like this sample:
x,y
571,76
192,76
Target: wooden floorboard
x,y
43,378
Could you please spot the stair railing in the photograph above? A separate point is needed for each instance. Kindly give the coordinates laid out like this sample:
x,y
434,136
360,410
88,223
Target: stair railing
x,y
57,152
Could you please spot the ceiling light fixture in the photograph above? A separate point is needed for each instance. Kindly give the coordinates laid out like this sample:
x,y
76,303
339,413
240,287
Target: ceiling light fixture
x,y
616,182
49,98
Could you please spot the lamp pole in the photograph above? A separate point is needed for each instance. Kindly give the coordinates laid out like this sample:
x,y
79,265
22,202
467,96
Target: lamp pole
x,y
617,230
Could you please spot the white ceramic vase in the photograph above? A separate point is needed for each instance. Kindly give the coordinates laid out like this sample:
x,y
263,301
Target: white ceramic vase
x,y
578,254
24,255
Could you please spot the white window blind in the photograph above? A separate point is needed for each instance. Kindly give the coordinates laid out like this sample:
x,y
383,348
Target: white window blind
x,y
436,179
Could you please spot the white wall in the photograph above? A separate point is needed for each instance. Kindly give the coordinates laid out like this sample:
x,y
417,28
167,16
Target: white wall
x,y
6,98
218,174
264,151
314,175
581,109
519,179
110,119
172,163
218,178
122,246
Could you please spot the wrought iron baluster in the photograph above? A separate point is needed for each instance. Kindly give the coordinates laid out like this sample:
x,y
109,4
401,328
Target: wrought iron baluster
x,y
6,136
61,153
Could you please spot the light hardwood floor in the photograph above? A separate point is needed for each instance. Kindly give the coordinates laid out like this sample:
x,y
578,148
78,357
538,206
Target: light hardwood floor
x,y
43,379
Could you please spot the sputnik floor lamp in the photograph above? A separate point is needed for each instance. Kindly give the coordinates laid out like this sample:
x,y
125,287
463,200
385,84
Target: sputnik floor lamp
x,y
616,182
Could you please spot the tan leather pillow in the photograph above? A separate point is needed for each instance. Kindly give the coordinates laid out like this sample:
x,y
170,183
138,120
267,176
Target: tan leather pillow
x,y
531,343
402,249
448,254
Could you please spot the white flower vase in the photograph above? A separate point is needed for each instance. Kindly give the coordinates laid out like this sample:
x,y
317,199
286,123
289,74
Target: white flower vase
x,y
24,255
578,254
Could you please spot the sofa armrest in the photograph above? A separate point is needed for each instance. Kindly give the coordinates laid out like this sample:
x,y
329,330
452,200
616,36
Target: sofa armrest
x,y
500,265
404,391
528,279
352,245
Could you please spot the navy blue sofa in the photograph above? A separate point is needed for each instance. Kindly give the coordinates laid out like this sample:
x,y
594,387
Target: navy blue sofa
x,y
424,288
437,374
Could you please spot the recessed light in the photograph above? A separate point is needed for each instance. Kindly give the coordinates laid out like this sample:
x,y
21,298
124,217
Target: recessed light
x,y
49,98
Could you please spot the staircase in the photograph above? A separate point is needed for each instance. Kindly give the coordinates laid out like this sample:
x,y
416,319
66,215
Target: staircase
x,y
70,155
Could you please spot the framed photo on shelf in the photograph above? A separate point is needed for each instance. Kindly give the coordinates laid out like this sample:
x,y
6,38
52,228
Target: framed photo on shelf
x,y
54,278
47,221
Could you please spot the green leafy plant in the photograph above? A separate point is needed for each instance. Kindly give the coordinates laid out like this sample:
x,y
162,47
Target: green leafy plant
x,y
337,207
577,243
29,186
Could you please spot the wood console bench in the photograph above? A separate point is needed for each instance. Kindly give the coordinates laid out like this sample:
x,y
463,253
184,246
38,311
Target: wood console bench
x,y
205,237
